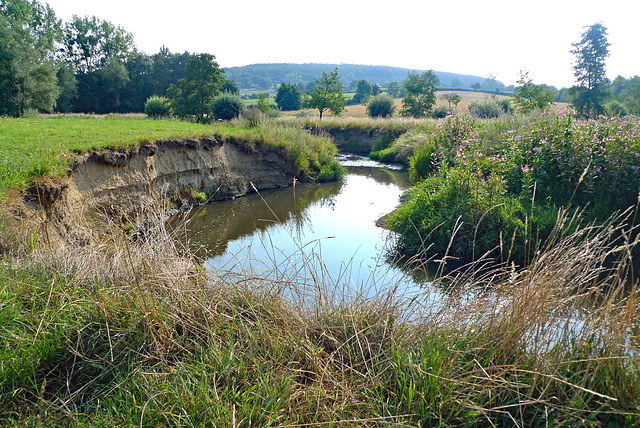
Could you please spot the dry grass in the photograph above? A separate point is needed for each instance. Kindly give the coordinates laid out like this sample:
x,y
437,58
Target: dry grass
x,y
466,97
131,332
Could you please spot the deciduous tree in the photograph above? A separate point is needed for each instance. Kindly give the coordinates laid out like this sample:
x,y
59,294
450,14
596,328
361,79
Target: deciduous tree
x,y
327,94
192,95
421,93
528,96
28,33
289,97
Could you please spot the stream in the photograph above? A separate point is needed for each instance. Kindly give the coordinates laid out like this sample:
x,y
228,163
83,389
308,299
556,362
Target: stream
x,y
310,233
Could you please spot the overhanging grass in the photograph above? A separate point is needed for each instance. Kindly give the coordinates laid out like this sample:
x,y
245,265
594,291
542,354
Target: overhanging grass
x,y
36,147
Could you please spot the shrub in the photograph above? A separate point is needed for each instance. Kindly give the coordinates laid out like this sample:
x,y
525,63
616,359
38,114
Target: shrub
x,y
440,112
157,106
331,171
486,109
226,106
616,108
381,105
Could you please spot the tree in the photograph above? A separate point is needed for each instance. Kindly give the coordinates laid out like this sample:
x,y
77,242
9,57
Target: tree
x,y
226,106
451,97
381,105
90,43
28,34
327,94
363,91
475,86
588,95
421,93
529,96
289,97
192,95
395,90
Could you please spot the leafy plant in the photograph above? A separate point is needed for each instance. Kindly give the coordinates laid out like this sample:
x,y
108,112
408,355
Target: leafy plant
x,y
156,107
381,105
226,106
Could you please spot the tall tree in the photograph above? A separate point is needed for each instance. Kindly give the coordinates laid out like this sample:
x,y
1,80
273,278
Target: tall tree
x,y
193,93
90,43
327,94
28,33
363,91
589,70
421,93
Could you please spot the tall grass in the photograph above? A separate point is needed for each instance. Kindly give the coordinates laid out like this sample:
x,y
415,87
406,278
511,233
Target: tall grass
x,y
132,332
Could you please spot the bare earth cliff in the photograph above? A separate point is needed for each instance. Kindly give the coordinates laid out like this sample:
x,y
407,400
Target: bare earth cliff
x,y
121,183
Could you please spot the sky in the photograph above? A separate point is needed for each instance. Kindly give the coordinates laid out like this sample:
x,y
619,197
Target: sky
x,y
489,37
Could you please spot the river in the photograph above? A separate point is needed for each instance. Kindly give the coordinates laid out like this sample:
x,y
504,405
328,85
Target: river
x,y
310,233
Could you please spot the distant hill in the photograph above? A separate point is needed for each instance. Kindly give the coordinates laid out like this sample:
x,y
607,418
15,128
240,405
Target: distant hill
x,y
269,76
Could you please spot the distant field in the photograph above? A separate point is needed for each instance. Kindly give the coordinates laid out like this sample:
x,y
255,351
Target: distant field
x,y
360,110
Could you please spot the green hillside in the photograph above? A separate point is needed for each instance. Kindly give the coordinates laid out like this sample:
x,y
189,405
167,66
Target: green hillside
x,y
269,76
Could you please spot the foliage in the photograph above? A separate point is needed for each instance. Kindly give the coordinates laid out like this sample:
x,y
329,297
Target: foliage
x,y
156,107
381,105
363,92
263,103
193,94
327,94
529,96
289,97
451,97
421,93
331,171
551,162
589,69
28,33
226,106
440,112
91,43
485,109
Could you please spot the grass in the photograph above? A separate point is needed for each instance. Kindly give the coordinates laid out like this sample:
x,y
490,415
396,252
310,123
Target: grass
x,y
32,148
133,333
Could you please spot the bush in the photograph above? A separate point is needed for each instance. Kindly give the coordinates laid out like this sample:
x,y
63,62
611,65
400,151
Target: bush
x,y
440,112
226,106
616,108
331,171
157,106
381,105
486,109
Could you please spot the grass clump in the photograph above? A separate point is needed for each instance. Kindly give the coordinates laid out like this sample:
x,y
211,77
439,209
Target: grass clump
x,y
134,333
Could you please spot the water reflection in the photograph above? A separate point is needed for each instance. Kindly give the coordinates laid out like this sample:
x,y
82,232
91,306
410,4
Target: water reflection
x,y
308,230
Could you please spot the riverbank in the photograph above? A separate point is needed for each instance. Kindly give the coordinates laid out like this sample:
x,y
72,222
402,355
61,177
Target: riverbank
x,y
131,331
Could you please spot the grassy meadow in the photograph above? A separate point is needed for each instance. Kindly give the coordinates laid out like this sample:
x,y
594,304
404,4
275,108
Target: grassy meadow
x,y
133,332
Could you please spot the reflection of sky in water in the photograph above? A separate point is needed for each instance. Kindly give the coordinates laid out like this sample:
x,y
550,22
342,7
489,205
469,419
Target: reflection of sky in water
x,y
337,240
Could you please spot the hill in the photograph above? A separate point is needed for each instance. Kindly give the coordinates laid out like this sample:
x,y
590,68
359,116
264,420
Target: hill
x,y
269,76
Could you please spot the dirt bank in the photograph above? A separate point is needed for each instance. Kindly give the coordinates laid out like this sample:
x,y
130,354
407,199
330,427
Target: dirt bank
x,y
120,184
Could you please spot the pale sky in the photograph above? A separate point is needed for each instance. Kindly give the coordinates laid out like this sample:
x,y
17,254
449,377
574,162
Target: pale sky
x,y
498,37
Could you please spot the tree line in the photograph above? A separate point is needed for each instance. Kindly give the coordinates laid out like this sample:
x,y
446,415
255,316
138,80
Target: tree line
x,y
89,65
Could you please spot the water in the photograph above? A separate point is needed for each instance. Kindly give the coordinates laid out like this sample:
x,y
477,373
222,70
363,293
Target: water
x,y
315,233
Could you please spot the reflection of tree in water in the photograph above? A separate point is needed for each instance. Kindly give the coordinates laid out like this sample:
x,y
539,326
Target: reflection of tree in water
x,y
382,175
214,225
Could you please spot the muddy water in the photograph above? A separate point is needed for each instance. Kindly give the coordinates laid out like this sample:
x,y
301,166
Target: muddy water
x,y
315,232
